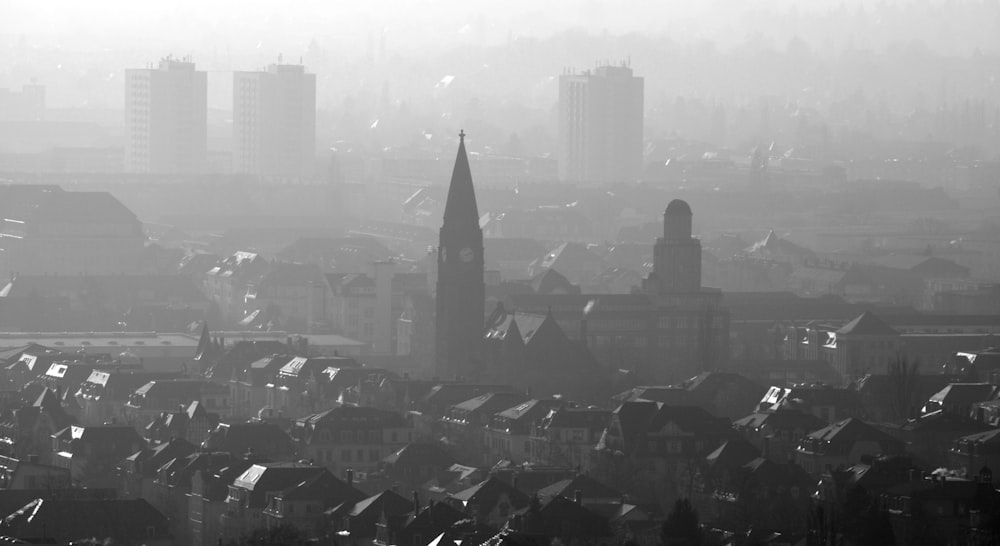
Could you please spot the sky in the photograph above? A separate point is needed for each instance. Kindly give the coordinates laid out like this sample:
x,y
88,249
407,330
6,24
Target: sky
x,y
356,26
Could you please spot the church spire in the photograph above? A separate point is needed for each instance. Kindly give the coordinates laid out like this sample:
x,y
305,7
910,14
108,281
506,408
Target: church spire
x,y
461,209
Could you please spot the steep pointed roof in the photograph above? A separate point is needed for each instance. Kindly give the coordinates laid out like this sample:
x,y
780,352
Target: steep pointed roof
x,y
461,208
205,348
867,324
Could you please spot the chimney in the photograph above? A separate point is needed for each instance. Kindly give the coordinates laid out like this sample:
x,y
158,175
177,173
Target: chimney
x,y
350,477
416,502
578,496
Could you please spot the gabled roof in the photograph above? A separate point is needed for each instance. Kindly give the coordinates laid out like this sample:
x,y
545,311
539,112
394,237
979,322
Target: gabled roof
x,y
419,454
588,487
387,502
126,521
692,419
781,419
964,394
531,410
490,402
991,437
261,479
733,453
944,421
840,436
323,486
551,281
867,324
487,492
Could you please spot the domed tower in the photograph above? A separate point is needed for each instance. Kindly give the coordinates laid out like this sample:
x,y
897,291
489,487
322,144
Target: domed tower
x,y
677,255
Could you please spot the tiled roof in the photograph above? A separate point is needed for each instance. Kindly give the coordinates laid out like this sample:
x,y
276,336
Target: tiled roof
x,y
867,324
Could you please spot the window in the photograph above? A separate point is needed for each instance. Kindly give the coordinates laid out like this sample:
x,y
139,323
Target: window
x,y
373,455
345,456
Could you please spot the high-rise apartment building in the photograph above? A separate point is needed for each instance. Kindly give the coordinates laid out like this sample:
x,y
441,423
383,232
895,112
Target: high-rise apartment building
x,y
600,125
166,112
274,121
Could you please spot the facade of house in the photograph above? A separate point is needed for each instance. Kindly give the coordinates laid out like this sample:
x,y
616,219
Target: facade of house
x,y
842,444
351,438
92,453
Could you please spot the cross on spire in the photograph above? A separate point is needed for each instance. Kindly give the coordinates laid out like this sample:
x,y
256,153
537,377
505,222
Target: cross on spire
x,y
461,135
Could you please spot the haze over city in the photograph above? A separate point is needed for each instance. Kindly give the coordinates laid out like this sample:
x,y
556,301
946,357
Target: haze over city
x,y
715,273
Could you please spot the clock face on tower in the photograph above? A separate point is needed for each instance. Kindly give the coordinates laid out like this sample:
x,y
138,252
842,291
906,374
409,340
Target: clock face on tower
x,y
465,255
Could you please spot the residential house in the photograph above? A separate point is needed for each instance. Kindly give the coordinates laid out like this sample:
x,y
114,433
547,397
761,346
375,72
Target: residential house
x,y
567,520
777,434
465,423
193,423
226,283
29,473
222,365
159,396
961,398
583,489
576,260
119,521
340,254
828,403
930,437
972,453
264,440
251,492
103,395
940,509
27,430
508,435
842,444
723,394
492,501
353,305
299,387
883,399
138,471
304,504
298,293
416,463
208,496
649,445
566,436
420,526
511,257
357,523
92,453
248,387
762,494
351,438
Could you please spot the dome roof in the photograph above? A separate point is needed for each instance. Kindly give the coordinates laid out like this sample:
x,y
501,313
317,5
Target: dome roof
x,y
678,207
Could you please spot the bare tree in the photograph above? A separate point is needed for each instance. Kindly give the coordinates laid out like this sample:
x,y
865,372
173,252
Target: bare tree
x,y
904,373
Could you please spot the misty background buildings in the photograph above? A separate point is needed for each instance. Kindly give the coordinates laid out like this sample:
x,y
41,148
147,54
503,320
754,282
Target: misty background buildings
x,y
500,273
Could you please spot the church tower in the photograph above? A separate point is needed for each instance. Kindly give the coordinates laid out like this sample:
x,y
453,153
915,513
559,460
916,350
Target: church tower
x,y
461,292
677,255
